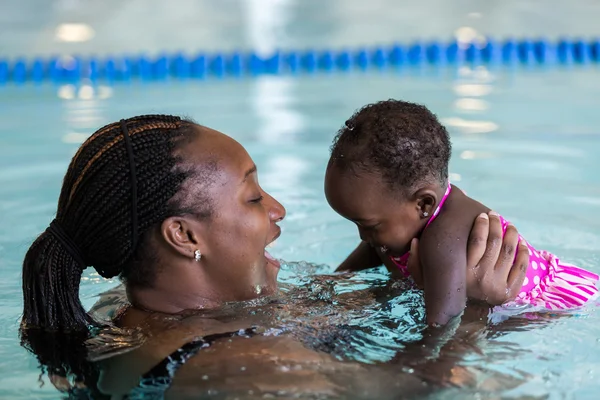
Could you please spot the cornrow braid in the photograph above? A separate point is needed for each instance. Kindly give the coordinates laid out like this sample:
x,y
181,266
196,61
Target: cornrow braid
x,y
94,226
95,212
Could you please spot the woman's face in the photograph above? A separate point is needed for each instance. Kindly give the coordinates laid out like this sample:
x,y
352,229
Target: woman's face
x,y
243,219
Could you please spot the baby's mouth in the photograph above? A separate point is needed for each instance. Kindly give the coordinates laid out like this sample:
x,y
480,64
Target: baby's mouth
x,y
389,252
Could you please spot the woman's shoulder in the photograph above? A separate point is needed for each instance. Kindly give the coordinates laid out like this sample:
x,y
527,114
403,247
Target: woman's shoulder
x,y
164,336
110,303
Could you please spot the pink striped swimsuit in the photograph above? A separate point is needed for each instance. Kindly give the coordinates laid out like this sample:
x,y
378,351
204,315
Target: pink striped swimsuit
x,y
550,283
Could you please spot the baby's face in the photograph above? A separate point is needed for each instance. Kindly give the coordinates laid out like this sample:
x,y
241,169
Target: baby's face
x,y
383,218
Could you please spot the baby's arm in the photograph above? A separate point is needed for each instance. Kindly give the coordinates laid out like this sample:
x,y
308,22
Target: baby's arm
x,y
443,256
363,257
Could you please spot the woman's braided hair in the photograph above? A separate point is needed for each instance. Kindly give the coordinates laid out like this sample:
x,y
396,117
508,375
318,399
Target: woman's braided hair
x,y
95,212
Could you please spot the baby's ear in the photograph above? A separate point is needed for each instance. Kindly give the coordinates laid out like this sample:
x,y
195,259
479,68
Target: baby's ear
x,y
427,200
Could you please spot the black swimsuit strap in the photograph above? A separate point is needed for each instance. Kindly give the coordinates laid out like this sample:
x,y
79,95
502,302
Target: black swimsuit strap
x,y
154,383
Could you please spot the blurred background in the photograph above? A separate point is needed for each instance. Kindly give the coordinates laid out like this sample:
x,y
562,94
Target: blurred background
x,y
112,26
525,138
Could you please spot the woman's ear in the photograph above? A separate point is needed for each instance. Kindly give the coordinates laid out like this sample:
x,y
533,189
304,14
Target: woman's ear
x,y
182,235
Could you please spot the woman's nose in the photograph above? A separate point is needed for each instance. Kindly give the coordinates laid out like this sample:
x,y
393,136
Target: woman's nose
x,y
276,209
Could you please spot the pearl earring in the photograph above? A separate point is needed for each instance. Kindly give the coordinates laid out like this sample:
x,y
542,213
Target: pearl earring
x,y
425,214
197,255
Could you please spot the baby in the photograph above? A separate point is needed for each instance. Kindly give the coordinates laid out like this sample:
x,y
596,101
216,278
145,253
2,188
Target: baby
x,y
388,173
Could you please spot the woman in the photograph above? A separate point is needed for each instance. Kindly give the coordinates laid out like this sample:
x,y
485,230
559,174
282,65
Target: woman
x,y
175,210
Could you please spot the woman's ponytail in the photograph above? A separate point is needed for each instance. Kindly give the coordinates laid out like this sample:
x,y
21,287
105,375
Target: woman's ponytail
x,y
52,272
119,185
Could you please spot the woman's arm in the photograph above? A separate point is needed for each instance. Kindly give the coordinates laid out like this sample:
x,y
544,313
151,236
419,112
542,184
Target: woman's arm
x,y
282,366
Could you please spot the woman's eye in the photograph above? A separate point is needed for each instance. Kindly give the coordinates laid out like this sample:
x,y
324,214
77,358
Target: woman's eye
x,y
257,200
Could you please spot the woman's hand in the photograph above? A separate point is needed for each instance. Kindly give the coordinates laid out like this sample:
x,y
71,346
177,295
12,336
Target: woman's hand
x,y
494,275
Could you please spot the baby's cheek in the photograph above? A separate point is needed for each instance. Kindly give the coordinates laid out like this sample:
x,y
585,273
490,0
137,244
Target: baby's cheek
x,y
391,236
400,241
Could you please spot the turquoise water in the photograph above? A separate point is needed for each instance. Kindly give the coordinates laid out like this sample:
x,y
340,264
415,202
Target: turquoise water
x,y
529,152
525,143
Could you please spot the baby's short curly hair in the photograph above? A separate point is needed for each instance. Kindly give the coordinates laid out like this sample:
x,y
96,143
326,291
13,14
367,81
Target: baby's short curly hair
x,y
402,141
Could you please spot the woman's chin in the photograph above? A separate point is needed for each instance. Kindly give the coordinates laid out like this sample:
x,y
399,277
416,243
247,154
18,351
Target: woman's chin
x,y
271,285
272,268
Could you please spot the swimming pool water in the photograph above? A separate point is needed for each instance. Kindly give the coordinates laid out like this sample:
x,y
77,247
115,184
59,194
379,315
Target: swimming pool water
x,y
525,143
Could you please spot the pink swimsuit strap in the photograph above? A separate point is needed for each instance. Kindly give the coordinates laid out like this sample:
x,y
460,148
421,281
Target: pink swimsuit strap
x,y
550,283
402,261
439,207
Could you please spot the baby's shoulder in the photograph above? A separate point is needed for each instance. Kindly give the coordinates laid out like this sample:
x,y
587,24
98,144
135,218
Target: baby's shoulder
x,y
455,220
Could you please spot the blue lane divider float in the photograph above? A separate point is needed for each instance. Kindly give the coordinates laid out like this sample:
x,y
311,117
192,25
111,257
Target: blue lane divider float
x,y
238,64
